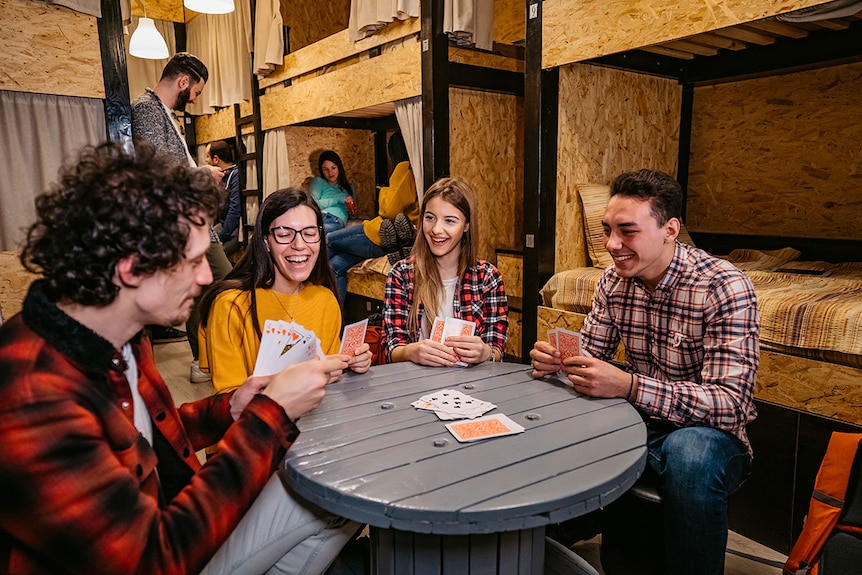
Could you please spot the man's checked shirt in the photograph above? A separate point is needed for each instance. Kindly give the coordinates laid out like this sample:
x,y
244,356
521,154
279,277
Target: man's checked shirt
x,y
693,342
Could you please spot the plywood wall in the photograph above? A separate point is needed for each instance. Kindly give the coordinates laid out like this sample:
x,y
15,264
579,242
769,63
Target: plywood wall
x,y
610,122
573,31
49,50
486,149
782,156
313,21
510,21
355,147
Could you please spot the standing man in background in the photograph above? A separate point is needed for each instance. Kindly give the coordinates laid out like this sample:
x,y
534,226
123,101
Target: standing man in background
x,y
182,81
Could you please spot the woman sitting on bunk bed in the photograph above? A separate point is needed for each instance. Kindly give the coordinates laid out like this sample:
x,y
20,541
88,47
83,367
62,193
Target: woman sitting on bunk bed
x,y
442,278
356,243
332,191
283,275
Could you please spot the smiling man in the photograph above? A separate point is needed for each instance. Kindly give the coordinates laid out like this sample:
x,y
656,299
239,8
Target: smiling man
x,y
689,325
97,467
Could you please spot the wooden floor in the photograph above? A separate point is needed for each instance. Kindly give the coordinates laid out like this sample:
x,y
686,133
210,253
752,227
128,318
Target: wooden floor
x,y
744,557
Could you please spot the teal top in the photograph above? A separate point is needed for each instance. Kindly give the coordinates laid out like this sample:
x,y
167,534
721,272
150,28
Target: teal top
x,y
330,198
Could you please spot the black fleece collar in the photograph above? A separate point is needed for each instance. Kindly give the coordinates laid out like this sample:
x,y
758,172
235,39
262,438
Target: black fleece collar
x,y
77,342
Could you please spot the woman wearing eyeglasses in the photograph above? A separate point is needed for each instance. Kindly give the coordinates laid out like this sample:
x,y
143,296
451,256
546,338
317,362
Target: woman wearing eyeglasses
x,y
283,275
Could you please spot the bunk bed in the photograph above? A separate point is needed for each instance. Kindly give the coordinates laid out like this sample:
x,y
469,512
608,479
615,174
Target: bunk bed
x,y
642,87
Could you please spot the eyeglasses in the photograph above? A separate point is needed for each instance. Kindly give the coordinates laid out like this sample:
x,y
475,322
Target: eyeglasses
x,y
285,235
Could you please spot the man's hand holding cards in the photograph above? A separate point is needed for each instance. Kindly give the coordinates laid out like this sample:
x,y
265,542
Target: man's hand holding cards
x,y
568,344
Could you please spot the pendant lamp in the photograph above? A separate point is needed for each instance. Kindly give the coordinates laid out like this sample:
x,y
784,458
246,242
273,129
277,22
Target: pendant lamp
x,y
146,42
210,6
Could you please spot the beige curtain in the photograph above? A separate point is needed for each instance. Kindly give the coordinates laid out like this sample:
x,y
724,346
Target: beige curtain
x,y
38,133
276,172
469,22
268,37
368,16
223,43
409,115
144,73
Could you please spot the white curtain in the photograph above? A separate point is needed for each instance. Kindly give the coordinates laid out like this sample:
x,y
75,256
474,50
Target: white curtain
x,y
368,16
94,7
268,37
409,115
469,22
223,43
251,203
276,173
38,133
145,73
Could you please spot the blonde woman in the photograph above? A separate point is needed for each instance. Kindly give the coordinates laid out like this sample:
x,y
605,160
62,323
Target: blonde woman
x,y
444,278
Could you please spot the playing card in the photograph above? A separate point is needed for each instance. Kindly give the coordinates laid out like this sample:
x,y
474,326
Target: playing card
x,y
353,337
552,337
453,326
437,330
484,428
568,343
284,343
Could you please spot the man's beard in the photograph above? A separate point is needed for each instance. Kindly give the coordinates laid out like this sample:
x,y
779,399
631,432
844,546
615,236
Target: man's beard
x,y
183,100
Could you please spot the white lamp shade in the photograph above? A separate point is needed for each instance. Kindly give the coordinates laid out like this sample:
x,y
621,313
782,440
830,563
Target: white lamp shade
x,y
210,6
146,42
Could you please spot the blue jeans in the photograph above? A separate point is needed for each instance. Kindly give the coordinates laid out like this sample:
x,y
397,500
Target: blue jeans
x,y
698,469
347,247
331,223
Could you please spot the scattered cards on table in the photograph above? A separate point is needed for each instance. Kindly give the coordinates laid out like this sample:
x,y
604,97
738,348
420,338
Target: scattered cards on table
x,y
285,343
353,337
486,427
448,327
452,404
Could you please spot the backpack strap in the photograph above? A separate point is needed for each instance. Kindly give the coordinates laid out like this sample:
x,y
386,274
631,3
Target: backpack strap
x,y
827,501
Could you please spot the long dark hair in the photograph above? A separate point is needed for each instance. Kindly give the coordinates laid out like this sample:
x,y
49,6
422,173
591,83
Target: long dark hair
x,y
256,269
335,159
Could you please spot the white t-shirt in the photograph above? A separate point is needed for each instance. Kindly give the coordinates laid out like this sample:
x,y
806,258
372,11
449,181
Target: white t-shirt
x,y
446,305
142,417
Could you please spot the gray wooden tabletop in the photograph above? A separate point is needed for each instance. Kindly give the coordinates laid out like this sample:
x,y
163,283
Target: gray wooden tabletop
x,y
365,453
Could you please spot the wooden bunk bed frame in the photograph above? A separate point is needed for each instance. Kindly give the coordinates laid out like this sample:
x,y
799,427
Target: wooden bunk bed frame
x,y
789,436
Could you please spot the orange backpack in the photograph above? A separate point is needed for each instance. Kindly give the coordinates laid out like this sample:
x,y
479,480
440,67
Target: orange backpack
x,y
827,502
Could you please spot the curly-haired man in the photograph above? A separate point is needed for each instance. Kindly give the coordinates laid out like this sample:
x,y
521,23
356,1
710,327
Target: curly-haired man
x,y
97,467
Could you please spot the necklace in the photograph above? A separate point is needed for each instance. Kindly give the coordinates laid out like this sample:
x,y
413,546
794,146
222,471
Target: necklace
x,y
290,314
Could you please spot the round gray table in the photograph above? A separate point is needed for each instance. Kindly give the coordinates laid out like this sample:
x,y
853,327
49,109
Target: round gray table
x,y
439,506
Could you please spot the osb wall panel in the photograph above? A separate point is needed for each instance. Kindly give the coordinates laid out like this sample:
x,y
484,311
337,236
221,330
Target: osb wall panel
x,y
171,10
817,387
49,50
783,151
575,31
394,75
510,21
485,59
511,268
335,48
221,124
313,21
486,150
513,341
355,147
610,122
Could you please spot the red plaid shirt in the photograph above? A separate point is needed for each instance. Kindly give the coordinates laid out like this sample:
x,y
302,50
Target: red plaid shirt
x,y
82,490
481,299
693,342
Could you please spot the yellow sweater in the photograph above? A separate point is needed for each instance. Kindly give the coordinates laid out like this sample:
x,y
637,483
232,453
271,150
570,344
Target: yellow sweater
x,y
399,196
229,344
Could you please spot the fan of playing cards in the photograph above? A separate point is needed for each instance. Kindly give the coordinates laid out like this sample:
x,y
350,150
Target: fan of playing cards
x,y
452,404
568,343
284,343
443,328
